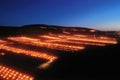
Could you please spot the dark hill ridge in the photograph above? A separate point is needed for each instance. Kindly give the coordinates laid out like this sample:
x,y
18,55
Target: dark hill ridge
x,y
8,30
43,29
53,26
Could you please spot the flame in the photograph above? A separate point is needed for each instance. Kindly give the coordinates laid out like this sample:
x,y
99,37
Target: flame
x,y
62,42
7,73
65,42
45,65
28,52
54,39
2,54
37,42
41,55
90,39
2,42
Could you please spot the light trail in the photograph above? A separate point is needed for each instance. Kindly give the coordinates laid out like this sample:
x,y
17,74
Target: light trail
x,y
38,42
7,73
2,42
50,58
50,37
96,40
35,54
45,65
77,43
80,35
54,39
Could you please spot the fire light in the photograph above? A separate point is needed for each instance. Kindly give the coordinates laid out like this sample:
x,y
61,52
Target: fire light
x,y
7,73
38,42
35,54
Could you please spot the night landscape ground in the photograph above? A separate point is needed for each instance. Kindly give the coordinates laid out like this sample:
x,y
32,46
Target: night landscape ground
x,y
48,52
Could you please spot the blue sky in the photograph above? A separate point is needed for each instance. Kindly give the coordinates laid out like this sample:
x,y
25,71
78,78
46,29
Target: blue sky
x,y
98,14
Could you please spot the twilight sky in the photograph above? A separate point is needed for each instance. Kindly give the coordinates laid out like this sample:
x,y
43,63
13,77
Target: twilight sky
x,y
98,14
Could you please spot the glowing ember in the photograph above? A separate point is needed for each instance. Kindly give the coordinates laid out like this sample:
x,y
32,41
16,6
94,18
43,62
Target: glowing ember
x,y
2,54
7,73
45,65
92,30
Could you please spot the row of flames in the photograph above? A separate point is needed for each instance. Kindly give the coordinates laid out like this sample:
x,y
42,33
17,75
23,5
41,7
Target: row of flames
x,y
10,74
52,41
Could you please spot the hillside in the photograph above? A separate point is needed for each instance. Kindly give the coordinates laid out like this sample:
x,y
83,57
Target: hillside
x,y
48,52
42,28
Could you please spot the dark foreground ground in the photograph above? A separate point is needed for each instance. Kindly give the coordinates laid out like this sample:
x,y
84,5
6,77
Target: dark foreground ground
x,y
94,63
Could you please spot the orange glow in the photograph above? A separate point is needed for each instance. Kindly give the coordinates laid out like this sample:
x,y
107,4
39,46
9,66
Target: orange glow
x,y
2,42
45,65
65,42
65,32
90,39
96,40
35,54
102,40
54,39
38,42
75,42
80,35
2,54
41,55
7,73
92,30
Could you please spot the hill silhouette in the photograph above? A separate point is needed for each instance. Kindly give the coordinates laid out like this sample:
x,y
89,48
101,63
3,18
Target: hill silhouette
x,y
43,28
